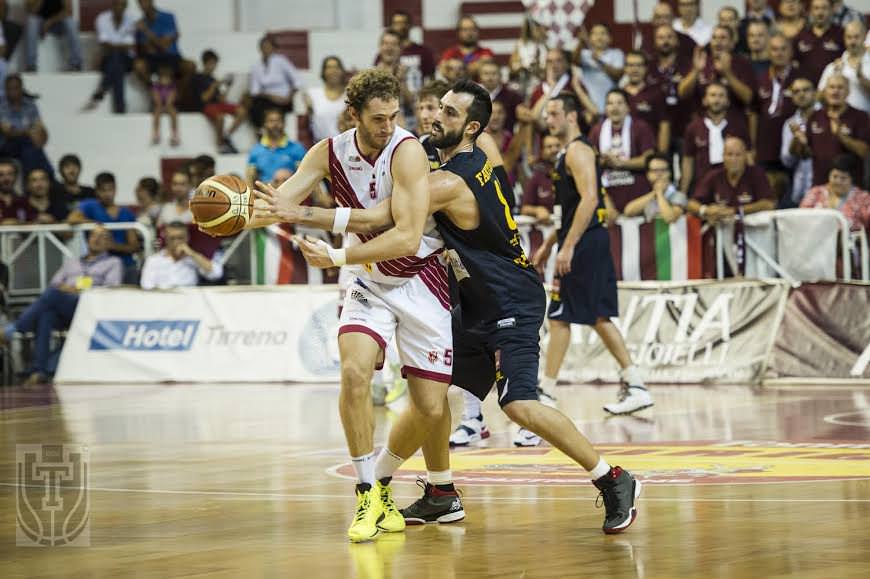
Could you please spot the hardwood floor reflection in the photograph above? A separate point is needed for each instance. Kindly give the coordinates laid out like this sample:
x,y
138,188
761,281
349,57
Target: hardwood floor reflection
x,y
248,481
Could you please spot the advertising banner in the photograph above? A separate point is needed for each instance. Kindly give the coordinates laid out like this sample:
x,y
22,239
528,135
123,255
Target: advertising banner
x,y
719,332
825,334
213,334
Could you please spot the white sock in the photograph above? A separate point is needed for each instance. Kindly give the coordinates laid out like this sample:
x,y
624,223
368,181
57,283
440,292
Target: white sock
x,y
601,469
365,468
387,463
547,384
440,477
632,376
472,405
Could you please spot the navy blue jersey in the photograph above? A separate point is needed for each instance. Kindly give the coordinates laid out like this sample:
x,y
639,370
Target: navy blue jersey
x,y
431,153
568,197
494,277
506,188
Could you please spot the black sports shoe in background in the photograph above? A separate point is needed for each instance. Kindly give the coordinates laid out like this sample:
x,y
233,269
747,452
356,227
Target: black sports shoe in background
x,y
619,490
435,506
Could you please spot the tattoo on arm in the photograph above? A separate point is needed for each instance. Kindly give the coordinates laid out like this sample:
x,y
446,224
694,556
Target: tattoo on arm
x,y
308,213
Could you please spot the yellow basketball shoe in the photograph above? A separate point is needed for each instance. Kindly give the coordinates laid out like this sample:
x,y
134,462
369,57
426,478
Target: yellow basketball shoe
x,y
393,521
368,511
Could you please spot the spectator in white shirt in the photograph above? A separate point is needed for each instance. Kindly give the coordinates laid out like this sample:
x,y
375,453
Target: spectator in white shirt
x,y
601,65
274,81
690,22
177,206
796,156
116,33
325,103
177,265
854,64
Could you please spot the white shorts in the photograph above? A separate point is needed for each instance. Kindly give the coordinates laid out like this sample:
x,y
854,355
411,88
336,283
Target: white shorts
x,y
417,312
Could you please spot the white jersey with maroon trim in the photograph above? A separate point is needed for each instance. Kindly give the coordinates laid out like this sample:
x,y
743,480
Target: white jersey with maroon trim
x,y
361,183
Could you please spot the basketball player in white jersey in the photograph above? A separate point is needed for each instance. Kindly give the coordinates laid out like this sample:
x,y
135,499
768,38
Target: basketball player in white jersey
x,y
404,293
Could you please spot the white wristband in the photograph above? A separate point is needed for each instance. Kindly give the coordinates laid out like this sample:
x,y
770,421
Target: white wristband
x,y
342,217
338,256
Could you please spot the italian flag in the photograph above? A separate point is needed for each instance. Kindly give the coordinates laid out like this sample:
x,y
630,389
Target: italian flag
x,y
657,250
276,260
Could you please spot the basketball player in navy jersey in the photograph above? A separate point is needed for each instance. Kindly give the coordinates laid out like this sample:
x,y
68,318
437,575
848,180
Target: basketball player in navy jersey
x,y
585,287
500,300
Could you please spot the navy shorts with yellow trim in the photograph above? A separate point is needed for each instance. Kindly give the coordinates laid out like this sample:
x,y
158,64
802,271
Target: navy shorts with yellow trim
x,y
507,356
588,291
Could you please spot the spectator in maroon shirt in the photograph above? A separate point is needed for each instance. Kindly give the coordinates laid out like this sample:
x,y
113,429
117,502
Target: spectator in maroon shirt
x,y
791,19
774,107
623,144
756,11
733,186
647,102
721,66
667,69
703,142
413,55
38,207
821,43
389,51
469,49
663,15
452,70
490,78
729,18
389,59
538,198
498,129
836,129
10,200
538,194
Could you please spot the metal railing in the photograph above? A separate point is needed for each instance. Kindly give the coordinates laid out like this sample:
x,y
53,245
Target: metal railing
x,y
34,252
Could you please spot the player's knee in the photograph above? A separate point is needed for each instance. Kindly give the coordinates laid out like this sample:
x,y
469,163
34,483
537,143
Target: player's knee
x,y
519,411
355,379
559,326
431,408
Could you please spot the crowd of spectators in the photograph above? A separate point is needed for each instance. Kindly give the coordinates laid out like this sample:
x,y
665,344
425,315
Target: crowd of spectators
x,y
713,119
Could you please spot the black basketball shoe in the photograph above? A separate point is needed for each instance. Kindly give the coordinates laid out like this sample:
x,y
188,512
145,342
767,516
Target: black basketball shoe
x,y
619,490
435,506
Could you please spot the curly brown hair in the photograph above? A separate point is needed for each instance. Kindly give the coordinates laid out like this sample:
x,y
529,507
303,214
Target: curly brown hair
x,y
369,84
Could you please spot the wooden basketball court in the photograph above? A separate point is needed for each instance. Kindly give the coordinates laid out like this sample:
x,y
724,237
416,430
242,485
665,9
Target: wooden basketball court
x,y
248,481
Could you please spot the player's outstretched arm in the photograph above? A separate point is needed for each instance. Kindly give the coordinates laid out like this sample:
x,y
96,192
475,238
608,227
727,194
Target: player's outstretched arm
x,y
312,169
337,220
409,210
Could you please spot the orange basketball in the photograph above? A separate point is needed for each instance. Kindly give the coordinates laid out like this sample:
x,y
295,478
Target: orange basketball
x,y
222,205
